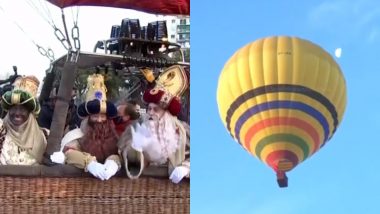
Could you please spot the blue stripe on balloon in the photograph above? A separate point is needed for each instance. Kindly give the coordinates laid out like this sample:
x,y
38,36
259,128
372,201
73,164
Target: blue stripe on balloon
x,y
283,105
275,88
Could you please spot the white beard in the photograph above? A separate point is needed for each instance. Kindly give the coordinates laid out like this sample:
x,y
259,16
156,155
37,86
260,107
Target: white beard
x,y
165,139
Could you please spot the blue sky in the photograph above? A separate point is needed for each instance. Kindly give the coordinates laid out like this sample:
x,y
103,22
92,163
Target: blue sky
x,y
343,177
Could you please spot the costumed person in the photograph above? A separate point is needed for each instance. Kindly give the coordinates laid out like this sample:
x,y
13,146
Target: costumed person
x,y
162,138
93,146
22,141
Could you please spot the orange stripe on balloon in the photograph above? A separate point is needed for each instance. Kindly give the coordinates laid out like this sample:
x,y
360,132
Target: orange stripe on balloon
x,y
277,121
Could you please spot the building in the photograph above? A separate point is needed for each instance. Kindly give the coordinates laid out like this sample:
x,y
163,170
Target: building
x,y
179,31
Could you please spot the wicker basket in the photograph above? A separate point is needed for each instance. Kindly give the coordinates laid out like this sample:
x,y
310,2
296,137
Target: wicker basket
x,y
90,195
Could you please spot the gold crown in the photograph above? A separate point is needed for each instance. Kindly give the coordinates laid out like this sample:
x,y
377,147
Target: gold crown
x,y
173,80
96,88
28,84
148,74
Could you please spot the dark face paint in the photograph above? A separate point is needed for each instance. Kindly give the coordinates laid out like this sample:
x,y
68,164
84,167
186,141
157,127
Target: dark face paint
x,y
18,115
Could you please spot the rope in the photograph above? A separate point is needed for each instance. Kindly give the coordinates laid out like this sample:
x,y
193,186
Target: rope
x,y
65,28
75,20
57,32
49,20
19,27
49,53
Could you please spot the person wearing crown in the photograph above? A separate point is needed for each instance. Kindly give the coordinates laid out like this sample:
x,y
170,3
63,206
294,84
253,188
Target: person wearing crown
x,y
93,146
22,141
162,138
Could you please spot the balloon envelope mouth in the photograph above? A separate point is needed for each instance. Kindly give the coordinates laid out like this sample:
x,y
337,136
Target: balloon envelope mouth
x,y
285,165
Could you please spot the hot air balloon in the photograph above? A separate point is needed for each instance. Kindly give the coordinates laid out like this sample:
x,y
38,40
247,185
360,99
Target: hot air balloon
x,y
281,98
163,7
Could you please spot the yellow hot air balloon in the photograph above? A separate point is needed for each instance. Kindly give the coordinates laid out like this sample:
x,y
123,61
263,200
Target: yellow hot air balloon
x,y
281,98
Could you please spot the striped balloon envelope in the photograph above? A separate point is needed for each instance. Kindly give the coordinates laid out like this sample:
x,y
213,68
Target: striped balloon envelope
x,y
281,98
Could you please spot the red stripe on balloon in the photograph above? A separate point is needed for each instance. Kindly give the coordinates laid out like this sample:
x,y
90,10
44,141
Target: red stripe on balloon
x,y
277,121
274,157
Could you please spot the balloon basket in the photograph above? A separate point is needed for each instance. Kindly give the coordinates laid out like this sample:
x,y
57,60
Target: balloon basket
x,y
282,179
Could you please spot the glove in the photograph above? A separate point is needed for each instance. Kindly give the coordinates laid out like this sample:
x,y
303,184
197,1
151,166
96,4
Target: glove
x,y
141,137
58,157
97,170
179,173
137,138
111,168
144,130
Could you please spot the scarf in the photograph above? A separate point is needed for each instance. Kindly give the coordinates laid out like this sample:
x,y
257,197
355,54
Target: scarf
x,y
27,136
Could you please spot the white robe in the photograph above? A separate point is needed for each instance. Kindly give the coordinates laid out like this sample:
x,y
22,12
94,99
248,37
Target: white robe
x,y
12,154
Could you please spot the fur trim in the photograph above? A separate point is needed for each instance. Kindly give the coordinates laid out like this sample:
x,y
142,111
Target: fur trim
x,y
164,99
94,107
20,97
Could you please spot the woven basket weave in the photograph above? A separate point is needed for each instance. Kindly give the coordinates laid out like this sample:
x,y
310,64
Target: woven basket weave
x,y
89,195
67,189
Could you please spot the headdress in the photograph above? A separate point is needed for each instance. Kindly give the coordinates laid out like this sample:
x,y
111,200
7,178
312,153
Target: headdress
x,y
24,93
170,85
96,100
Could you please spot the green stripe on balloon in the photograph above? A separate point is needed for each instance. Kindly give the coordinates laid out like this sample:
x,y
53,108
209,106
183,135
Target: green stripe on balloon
x,y
290,138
